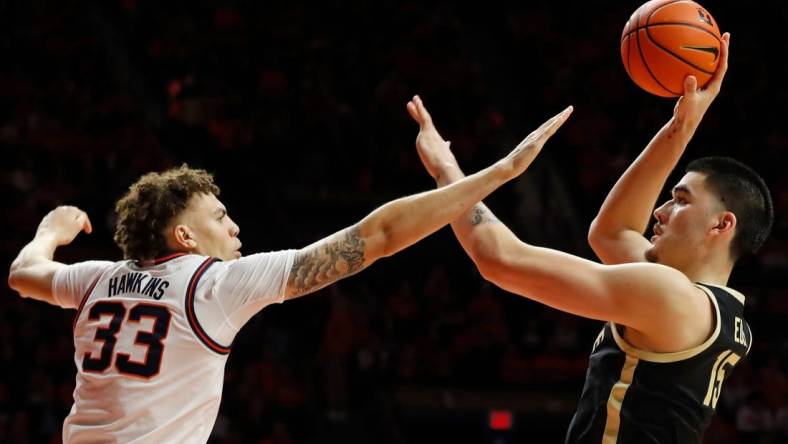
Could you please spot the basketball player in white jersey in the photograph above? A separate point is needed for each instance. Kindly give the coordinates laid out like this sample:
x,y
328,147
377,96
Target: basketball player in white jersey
x,y
152,332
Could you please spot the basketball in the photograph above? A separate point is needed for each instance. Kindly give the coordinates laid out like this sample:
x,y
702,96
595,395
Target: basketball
x,y
664,41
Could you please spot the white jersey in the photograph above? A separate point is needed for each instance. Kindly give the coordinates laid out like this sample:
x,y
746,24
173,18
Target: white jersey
x,y
151,342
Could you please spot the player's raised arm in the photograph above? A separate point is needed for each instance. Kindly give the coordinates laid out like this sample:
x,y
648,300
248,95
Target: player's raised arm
x,y
32,271
616,234
404,221
557,279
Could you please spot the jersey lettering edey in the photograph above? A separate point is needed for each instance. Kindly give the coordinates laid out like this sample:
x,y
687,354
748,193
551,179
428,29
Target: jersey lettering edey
x,y
635,396
151,342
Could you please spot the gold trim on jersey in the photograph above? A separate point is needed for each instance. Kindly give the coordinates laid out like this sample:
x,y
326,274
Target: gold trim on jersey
x,y
736,294
750,344
673,356
616,399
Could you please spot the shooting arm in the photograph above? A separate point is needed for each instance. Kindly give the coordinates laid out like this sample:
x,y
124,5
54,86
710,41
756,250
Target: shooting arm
x,y
616,234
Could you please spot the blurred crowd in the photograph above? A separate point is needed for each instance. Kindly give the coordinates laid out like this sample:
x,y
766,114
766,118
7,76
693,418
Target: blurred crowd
x,y
299,111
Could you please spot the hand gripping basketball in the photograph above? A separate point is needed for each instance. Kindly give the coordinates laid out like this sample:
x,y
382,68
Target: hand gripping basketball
x,y
667,40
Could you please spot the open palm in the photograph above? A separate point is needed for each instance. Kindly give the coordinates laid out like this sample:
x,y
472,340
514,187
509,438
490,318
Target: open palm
x,y
434,152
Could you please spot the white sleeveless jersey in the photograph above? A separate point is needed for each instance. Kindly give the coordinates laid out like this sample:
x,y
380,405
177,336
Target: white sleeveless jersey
x,y
151,342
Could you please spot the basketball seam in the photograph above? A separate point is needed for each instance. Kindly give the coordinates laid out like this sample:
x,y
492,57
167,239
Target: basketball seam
x,y
637,23
676,55
636,20
658,45
654,25
648,68
626,60
638,27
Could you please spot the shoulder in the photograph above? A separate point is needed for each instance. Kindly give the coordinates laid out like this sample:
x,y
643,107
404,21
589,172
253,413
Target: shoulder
x,y
85,270
254,266
663,295
655,280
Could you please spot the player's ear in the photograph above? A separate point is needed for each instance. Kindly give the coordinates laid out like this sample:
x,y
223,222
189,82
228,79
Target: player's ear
x,y
726,223
184,237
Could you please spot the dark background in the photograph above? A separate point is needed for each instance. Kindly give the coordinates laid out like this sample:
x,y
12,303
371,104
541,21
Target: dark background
x,y
299,110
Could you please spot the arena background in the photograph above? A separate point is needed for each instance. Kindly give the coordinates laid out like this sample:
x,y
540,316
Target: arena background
x,y
299,110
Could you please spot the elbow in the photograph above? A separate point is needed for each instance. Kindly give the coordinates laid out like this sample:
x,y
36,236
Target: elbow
x,y
596,234
488,271
388,244
490,265
491,257
594,230
373,241
376,242
15,280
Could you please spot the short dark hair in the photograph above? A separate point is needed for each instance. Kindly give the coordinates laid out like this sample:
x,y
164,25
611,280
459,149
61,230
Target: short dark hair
x,y
149,206
744,193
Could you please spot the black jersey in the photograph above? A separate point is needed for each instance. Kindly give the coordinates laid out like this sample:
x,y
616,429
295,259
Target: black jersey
x,y
635,396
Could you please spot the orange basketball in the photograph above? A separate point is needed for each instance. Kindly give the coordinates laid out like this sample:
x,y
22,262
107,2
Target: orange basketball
x,y
665,41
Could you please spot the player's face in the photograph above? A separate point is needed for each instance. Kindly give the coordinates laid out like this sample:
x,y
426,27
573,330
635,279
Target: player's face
x,y
684,223
211,229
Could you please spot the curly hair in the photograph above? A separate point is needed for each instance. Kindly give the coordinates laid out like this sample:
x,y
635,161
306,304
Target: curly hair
x,y
149,206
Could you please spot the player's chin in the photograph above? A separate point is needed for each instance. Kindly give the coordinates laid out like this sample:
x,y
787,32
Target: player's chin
x,y
651,255
230,255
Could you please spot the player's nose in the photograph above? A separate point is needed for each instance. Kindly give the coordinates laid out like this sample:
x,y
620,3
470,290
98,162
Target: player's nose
x,y
660,213
234,229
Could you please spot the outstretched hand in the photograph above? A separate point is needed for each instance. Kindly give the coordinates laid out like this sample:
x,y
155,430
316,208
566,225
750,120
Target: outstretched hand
x,y
526,151
434,152
63,224
695,102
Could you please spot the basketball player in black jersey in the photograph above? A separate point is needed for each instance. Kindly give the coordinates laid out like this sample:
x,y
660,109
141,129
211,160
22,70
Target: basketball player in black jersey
x,y
674,331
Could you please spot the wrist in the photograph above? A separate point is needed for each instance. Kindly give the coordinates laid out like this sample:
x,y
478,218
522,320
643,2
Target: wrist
x,y
686,123
504,170
46,238
448,174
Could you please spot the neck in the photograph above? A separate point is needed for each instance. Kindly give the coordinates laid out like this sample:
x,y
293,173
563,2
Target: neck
x,y
710,271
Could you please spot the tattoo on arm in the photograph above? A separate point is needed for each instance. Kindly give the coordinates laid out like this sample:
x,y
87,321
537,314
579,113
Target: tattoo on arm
x,y
482,215
325,263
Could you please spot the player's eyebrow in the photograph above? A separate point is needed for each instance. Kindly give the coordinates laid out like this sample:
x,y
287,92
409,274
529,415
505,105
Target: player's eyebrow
x,y
221,211
682,189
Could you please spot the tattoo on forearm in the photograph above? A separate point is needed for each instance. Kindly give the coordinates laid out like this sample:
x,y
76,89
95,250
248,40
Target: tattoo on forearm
x,y
327,263
481,215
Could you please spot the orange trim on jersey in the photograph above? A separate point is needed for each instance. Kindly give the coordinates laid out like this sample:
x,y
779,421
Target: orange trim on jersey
x,y
158,261
84,299
164,259
192,317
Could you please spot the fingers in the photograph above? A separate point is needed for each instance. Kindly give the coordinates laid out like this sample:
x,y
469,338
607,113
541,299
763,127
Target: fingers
x,y
418,111
722,67
563,117
426,119
690,85
84,220
552,125
413,111
547,129
724,51
80,217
